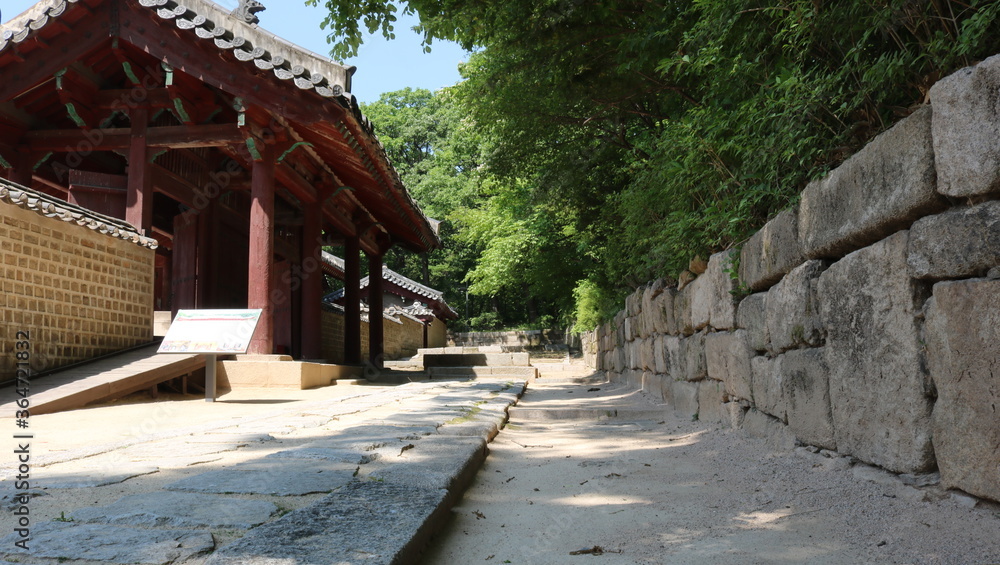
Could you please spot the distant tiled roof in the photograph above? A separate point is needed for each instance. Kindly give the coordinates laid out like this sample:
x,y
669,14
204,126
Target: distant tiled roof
x,y
431,295
51,207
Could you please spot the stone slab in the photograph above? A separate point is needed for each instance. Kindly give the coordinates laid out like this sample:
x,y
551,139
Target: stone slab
x,y
728,357
347,456
712,301
966,129
751,315
684,398
76,476
879,387
68,541
440,463
711,400
772,252
663,312
694,365
171,448
963,347
805,385
768,396
761,426
269,477
682,311
363,523
179,510
960,243
229,438
793,317
880,190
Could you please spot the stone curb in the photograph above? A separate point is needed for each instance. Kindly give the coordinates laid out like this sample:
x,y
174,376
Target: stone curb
x,y
356,525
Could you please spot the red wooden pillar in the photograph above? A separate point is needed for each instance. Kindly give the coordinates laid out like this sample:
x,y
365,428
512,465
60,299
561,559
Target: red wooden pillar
x,y
139,202
376,328
352,300
205,296
312,284
261,278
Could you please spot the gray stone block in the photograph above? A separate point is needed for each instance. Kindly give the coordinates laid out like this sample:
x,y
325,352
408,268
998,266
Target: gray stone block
x,y
768,396
966,129
662,309
649,316
179,510
879,389
660,358
682,310
960,243
733,414
880,190
673,357
711,398
963,345
751,315
354,525
773,432
100,543
793,318
633,303
772,252
695,366
806,390
712,300
684,398
728,357
700,295
646,354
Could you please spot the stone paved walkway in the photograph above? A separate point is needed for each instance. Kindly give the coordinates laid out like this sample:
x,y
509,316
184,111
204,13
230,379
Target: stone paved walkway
x,y
357,478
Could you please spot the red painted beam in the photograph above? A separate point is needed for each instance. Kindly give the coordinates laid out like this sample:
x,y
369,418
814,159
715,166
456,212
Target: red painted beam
x,y
139,203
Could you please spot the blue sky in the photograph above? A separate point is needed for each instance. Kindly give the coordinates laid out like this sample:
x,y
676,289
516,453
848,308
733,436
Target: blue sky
x,y
383,66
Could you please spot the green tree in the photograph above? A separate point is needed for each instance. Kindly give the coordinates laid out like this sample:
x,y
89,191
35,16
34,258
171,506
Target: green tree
x,y
622,137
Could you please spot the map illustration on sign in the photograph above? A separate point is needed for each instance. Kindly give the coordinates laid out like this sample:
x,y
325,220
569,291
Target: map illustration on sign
x,y
210,331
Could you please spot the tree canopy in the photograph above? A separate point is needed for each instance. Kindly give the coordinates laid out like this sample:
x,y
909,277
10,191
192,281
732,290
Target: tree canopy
x,y
614,140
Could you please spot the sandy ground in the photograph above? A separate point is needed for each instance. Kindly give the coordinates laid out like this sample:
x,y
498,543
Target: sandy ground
x,y
678,492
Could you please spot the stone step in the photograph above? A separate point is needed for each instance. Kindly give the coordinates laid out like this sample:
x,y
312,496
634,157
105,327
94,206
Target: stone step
x,y
491,372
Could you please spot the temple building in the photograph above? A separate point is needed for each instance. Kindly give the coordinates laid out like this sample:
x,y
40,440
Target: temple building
x,y
239,153
401,297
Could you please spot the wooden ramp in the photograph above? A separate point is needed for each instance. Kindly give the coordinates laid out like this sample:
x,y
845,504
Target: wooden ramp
x,y
106,379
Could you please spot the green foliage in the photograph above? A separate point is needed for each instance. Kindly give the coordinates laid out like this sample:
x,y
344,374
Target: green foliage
x,y
614,140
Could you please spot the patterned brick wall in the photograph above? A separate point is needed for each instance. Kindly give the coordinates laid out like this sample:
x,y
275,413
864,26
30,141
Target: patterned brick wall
x,y
79,293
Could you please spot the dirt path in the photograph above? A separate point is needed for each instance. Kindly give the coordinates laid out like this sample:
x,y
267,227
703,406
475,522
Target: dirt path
x,y
670,491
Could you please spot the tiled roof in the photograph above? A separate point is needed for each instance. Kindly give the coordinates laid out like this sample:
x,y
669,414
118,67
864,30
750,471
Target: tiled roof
x,y
50,207
392,277
248,43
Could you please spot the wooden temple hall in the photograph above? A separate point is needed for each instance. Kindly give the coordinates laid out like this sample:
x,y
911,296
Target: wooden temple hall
x,y
240,153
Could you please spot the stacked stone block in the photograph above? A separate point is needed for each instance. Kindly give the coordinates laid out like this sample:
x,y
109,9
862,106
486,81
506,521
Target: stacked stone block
x,y
873,327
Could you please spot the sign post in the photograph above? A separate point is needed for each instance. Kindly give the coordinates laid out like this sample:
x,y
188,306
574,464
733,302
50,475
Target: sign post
x,y
211,333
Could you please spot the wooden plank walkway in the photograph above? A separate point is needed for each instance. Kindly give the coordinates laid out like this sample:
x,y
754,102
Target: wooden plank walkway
x,y
105,380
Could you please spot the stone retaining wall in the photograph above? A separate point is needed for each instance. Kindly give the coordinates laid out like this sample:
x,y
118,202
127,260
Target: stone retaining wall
x,y
866,319
524,339
402,336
